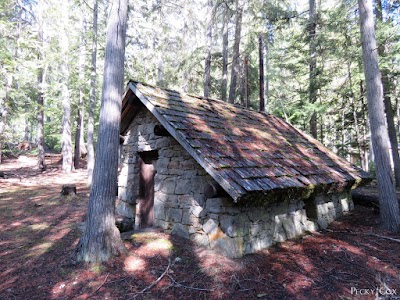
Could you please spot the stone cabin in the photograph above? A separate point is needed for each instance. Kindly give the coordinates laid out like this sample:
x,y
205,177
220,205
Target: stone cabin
x,y
227,178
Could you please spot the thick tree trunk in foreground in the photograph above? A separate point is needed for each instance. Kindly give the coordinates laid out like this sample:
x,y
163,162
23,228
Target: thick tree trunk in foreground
x,y
389,207
388,104
92,100
236,53
101,239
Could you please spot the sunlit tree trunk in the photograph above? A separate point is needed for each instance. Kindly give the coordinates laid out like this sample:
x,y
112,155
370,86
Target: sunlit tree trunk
x,y
207,71
246,82
388,105
160,69
236,51
101,239
266,72
224,86
80,149
66,141
355,118
92,99
389,207
40,100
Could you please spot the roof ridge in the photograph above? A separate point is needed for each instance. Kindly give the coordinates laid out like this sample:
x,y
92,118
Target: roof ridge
x,y
199,97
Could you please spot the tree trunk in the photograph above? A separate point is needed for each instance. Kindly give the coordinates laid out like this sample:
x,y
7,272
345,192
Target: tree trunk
x,y
266,72
40,119
236,53
261,68
80,149
355,118
246,82
3,113
207,71
241,83
225,55
101,239
160,69
66,141
389,207
27,133
92,100
40,114
364,128
313,66
388,105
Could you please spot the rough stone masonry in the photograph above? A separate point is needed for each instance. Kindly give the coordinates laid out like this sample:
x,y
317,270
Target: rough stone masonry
x,y
180,206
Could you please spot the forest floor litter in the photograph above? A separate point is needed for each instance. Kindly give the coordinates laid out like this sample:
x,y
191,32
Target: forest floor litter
x,y
39,228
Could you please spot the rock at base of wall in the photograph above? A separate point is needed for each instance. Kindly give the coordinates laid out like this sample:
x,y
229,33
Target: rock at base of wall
x,y
180,230
124,224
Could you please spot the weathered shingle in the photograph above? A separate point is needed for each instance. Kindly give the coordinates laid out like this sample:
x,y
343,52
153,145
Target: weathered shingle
x,y
244,150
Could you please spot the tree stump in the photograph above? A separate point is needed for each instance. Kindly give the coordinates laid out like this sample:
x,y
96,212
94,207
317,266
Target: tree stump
x,y
68,190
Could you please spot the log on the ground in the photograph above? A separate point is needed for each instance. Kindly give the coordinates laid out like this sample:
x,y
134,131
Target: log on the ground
x,y
363,199
2,174
68,190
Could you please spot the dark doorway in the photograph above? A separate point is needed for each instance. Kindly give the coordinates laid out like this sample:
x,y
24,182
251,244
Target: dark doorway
x,y
146,188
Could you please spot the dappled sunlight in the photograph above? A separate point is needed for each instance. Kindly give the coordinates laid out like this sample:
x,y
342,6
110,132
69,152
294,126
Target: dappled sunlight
x,y
160,244
39,232
39,249
133,263
39,226
151,244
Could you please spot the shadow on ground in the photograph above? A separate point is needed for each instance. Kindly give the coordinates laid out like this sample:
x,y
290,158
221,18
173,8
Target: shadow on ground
x,y
38,232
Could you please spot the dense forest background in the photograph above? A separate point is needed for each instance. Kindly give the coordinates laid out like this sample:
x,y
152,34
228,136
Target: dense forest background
x,y
52,56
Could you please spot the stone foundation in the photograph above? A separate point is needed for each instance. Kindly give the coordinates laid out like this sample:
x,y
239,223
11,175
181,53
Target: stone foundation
x,y
181,207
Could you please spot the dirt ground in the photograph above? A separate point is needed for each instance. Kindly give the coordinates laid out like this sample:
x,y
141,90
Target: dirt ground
x,y
353,259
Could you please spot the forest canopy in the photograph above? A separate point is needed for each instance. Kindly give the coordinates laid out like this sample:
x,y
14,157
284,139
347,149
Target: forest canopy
x,y
311,50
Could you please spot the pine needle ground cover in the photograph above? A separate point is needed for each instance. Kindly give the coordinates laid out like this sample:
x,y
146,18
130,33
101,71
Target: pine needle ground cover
x,y
39,228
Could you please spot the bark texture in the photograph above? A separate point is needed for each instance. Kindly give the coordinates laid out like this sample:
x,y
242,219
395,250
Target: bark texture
x,y
66,141
224,86
246,82
313,66
236,51
80,149
207,71
261,68
388,105
3,114
92,99
101,239
389,207
41,79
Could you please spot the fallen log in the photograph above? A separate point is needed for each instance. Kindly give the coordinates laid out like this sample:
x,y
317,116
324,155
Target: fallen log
x,y
363,199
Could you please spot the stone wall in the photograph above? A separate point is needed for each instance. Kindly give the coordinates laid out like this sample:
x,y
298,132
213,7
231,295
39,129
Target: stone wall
x,y
178,183
217,223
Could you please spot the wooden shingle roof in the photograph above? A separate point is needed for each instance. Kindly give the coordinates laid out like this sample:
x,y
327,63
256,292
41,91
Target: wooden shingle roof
x,y
247,152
